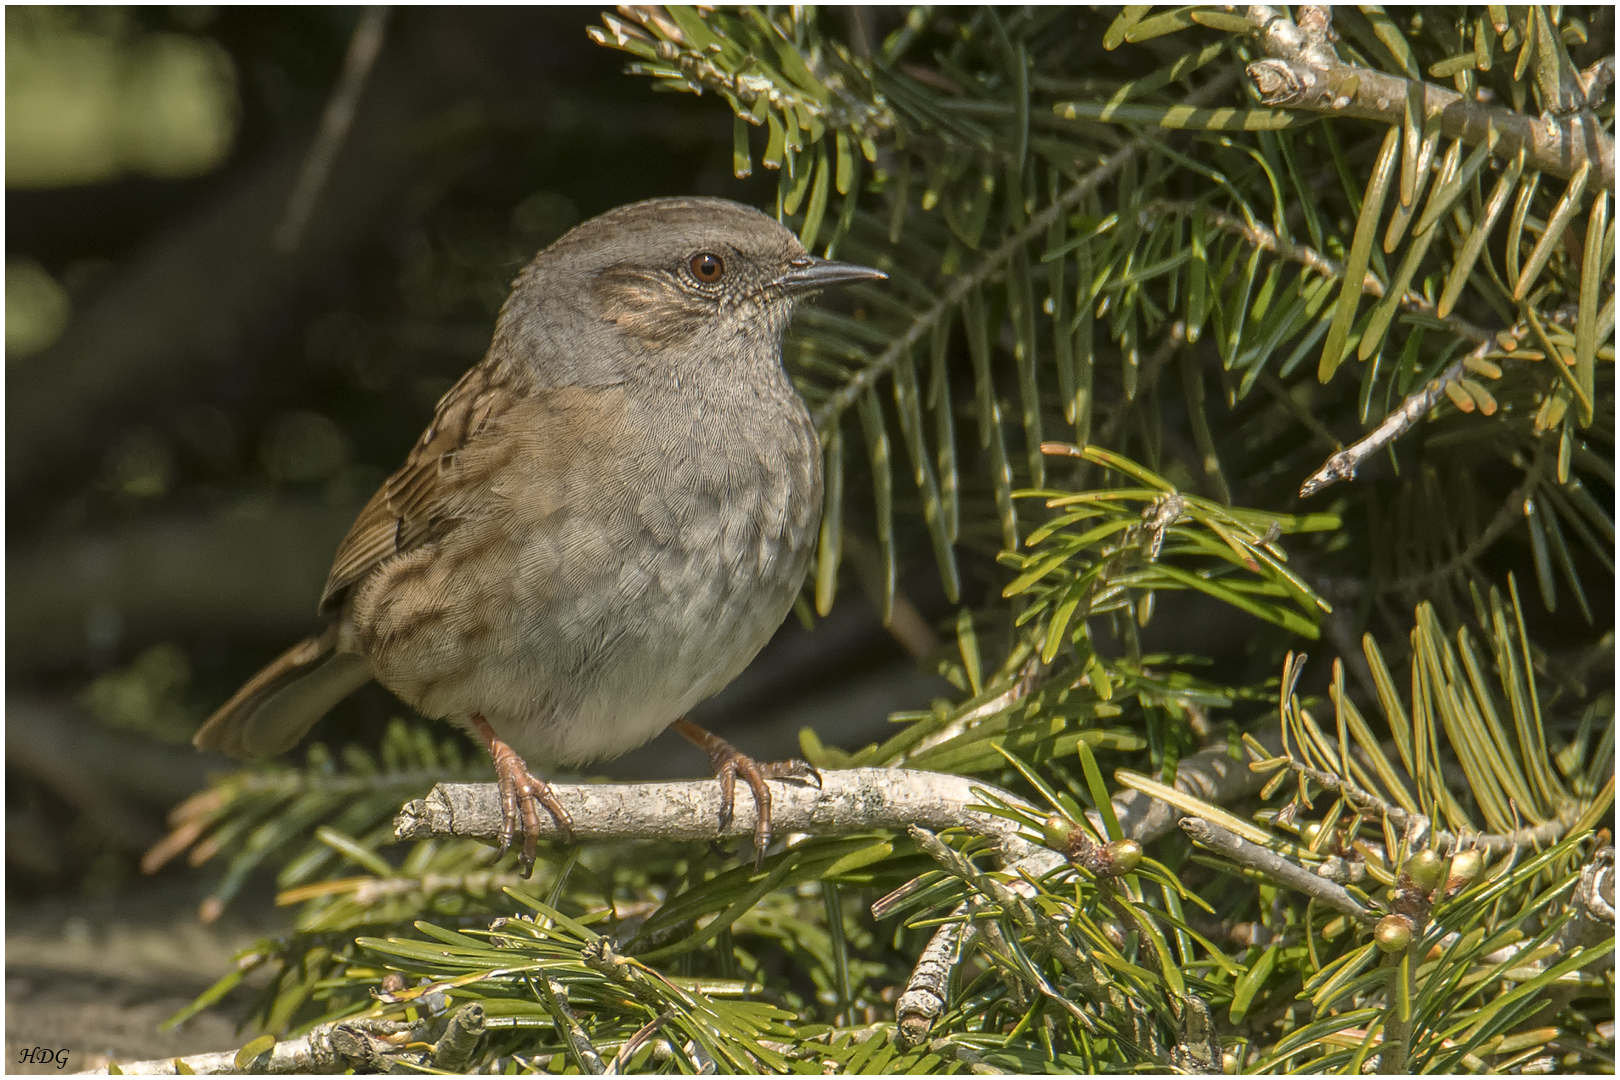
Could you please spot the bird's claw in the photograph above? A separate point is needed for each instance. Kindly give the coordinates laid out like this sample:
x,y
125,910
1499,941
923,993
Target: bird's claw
x,y
727,763
522,796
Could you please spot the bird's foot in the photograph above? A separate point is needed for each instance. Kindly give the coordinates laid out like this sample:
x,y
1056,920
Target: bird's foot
x,y
727,763
522,796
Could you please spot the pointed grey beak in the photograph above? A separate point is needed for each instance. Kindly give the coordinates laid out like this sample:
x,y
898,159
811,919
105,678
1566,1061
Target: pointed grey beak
x,y
808,272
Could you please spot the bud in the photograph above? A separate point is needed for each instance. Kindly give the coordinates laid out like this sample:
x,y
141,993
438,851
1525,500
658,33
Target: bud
x,y
1393,933
1426,869
1123,857
1056,830
1309,831
1465,867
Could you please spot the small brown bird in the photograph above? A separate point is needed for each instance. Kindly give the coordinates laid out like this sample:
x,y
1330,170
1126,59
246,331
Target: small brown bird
x,y
609,516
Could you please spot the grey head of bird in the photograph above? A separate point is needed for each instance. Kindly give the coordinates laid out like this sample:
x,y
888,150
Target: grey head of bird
x,y
663,284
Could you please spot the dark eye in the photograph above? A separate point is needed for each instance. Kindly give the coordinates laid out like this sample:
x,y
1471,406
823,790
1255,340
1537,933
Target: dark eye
x,y
707,267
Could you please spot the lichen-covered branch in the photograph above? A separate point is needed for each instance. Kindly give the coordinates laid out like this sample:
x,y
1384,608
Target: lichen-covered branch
x,y
1301,70
848,801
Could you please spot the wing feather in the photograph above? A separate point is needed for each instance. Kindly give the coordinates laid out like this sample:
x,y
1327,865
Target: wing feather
x,y
420,501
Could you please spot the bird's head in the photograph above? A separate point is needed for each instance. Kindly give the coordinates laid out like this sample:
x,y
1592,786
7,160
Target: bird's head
x,y
699,276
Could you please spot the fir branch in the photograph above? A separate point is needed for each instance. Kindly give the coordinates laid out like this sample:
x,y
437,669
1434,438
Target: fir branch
x,y
1284,248
1301,70
846,396
1420,828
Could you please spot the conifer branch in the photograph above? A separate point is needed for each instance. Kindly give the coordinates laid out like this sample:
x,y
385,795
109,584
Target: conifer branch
x,y
846,396
1301,70
1307,256
1421,828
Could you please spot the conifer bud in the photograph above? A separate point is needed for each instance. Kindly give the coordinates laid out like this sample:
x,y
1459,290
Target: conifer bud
x,y
1393,933
1055,831
1426,869
1124,856
1465,867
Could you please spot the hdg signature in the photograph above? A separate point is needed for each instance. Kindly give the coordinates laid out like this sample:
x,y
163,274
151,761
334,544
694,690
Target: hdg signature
x,y
39,1055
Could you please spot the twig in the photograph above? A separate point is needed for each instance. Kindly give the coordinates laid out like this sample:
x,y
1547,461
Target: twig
x,y
637,1041
926,993
364,45
578,1041
454,1050
1284,248
1343,465
846,395
1416,825
1301,70
1276,867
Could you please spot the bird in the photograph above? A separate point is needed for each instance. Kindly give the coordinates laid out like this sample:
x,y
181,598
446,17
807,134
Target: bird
x,y
608,517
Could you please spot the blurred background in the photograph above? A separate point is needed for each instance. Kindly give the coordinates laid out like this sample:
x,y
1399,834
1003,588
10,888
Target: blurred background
x,y
228,316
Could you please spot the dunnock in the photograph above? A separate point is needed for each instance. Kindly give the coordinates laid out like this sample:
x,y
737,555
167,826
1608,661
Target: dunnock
x,y
607,519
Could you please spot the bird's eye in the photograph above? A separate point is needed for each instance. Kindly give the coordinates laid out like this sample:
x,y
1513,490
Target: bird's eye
x,y
707,267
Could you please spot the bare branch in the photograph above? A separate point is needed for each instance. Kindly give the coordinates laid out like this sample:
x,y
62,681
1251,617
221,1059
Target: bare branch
x,y
1343,465
1274,866
364,46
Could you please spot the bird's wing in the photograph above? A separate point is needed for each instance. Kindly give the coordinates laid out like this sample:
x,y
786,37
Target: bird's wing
x,y
431,492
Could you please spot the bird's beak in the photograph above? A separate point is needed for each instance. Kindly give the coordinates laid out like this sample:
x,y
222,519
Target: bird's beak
x,y
808,272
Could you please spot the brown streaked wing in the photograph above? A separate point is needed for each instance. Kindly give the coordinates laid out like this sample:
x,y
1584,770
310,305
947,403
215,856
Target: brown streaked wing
x,y
419,502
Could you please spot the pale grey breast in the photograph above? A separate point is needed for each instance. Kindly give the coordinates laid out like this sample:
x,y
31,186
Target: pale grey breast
x,y
646,590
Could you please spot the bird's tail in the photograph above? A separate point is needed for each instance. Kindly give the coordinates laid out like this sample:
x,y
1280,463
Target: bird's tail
x,y
274,709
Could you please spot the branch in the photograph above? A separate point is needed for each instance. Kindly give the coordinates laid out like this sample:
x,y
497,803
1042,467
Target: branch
x,y
1343,465
1302,71
1307,256
1274,866
364,46
360,1045
848,801
1416,825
